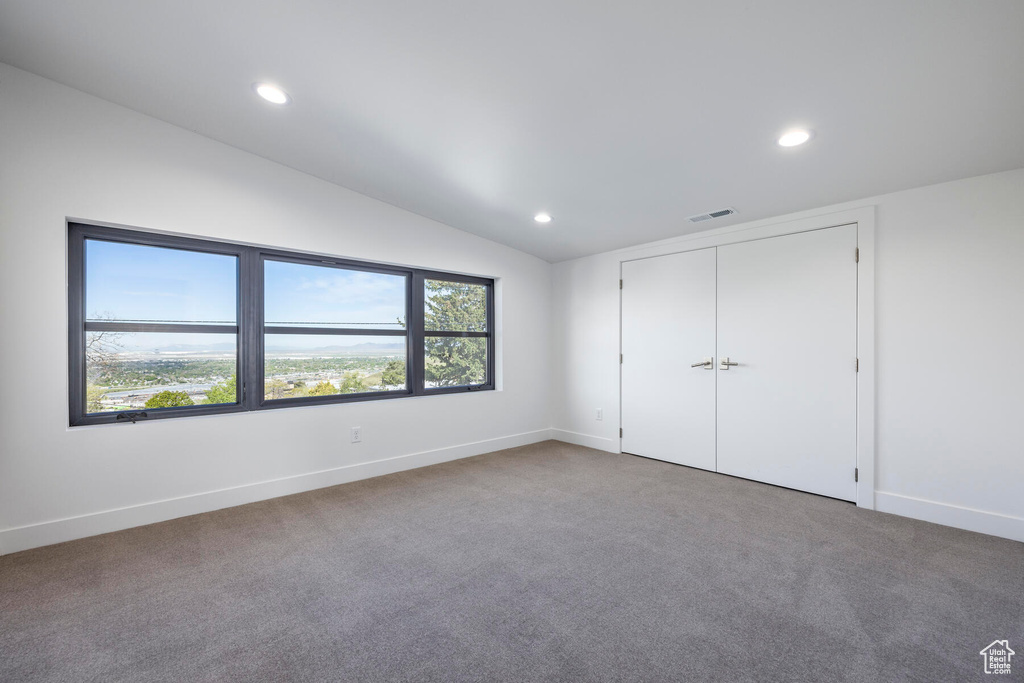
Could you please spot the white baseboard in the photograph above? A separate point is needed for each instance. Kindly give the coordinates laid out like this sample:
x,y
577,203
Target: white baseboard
x,y
601,443
991,523
58,531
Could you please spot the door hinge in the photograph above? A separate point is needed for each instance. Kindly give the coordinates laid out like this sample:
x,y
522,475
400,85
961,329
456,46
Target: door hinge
x,y
620,284
856,474
620,432
856,255
856,365
620,358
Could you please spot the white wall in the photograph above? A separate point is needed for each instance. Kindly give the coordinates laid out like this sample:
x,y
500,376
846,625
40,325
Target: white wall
x,y
949,320
66,154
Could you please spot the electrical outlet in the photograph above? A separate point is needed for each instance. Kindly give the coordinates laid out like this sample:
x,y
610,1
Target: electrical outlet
x,y
600,414
357,434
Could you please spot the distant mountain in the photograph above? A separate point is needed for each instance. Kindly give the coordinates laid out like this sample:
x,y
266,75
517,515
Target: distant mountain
x,y
365,347
222,347
228,347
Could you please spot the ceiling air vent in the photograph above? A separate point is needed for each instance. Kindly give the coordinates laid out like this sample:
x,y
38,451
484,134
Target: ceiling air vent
x,y
711,214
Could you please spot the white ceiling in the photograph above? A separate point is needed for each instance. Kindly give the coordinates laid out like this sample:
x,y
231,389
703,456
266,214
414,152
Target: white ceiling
x,y
620,119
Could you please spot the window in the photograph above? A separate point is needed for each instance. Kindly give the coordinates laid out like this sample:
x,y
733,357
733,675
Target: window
x,y
332,330
163,326
455,333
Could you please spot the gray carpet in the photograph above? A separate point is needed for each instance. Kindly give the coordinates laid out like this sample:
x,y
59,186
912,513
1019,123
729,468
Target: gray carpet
x,y
543,563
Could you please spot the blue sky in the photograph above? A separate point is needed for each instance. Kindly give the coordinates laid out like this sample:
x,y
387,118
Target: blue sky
x,y
298,293
134,282
140,283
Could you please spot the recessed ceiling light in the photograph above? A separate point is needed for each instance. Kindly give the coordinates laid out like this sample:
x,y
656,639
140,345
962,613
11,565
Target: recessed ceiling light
x,y
542,218
794,138
271,93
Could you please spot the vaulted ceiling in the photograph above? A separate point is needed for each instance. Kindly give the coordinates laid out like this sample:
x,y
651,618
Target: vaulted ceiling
x,y
618,119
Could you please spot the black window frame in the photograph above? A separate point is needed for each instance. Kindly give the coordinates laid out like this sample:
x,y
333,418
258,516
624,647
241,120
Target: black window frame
x,y
250,329
419,310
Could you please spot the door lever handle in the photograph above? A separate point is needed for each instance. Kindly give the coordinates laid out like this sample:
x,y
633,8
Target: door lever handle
x,y
707,364
726,363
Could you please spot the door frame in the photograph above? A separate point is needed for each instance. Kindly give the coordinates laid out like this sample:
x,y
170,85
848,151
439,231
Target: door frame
x,y
864,218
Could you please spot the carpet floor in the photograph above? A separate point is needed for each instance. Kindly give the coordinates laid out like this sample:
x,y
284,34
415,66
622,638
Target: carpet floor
x,y
549,562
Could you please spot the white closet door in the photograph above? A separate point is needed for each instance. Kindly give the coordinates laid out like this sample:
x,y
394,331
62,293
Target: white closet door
x,y
787,314
668,324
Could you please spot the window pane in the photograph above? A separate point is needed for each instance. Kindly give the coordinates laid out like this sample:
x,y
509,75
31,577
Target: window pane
x,y
296,366
315,296
454,306
154,284
455,361
158,370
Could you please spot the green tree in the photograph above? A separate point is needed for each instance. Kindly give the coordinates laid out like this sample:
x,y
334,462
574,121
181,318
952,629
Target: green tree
x,y
324,388
223,393
274,388
169,399
352,384
455,306
93,397
393,374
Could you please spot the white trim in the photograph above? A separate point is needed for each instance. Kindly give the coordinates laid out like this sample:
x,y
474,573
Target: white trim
x,y
864,217
60,530
866,358
991,523
600,443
